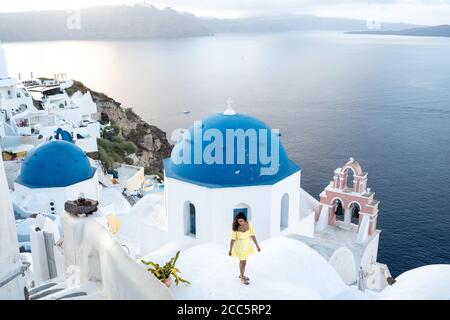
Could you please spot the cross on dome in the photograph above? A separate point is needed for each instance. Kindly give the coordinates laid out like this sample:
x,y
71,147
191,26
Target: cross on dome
x,y
229,111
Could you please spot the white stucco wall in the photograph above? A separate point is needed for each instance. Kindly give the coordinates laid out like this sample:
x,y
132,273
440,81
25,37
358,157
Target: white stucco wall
x,y
3,65
370,254
290,185
102,259
177,193
90,188
343,261
214,209
305,226
258,199
9,248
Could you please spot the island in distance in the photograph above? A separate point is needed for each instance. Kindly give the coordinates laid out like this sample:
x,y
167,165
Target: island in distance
x,y
147,21
436,31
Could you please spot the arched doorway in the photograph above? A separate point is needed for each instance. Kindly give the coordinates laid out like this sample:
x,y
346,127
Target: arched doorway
x,y
190,219
284,212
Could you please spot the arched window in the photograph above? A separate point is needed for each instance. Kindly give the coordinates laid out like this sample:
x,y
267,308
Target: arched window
x,y
190,221
284,212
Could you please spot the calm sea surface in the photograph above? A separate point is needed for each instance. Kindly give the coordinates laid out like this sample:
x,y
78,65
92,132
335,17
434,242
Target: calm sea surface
x,y
382,100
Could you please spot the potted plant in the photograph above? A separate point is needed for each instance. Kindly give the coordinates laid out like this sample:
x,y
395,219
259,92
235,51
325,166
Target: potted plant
x,y
165,273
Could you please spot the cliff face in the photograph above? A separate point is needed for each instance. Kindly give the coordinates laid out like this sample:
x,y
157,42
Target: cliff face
x,y
151,142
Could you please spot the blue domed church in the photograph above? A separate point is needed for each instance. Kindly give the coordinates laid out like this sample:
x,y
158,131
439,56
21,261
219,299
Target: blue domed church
x,y
223,165
54,172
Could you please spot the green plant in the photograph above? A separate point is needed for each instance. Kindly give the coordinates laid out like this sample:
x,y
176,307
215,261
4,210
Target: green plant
x,y
106,160
169,269
115,149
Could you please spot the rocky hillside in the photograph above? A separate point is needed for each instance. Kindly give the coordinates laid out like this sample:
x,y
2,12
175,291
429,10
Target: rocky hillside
x,y
151,142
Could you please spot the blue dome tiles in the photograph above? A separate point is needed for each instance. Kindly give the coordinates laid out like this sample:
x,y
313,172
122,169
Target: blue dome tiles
x,y
55,164
223,173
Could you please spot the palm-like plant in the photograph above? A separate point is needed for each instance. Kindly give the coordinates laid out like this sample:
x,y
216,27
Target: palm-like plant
x,y
168,270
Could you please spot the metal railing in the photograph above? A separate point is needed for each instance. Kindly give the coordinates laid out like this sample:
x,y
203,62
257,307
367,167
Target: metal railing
x,y
15,274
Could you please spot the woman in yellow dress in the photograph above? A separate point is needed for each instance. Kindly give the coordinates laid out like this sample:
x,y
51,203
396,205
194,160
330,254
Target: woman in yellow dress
x,y
241,245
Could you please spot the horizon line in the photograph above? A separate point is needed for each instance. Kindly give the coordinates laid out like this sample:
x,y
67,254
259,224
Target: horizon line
x,y
244,16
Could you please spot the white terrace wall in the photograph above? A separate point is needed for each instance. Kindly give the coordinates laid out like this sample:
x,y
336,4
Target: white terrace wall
x,y
90,188
10,260
214,209
90,246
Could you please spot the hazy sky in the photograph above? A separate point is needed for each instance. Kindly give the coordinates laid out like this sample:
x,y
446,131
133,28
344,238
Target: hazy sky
x,y
430,12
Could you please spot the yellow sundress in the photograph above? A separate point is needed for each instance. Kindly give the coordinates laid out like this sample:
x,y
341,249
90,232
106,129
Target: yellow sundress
x,y
243,245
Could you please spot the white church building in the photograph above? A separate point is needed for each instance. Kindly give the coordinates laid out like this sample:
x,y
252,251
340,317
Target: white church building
x,y
214,193
201,200
53,173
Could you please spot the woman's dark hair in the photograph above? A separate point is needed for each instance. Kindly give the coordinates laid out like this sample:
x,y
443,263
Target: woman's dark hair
x,y
240,215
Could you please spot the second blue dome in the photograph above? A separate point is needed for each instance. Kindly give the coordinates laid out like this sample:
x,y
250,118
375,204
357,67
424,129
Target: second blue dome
x,y
55,164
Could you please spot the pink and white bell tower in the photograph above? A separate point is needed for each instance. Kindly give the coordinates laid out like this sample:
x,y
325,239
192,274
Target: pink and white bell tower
x,y
347,196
